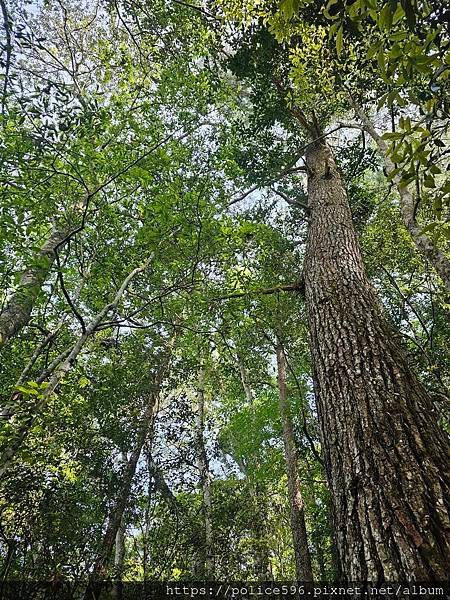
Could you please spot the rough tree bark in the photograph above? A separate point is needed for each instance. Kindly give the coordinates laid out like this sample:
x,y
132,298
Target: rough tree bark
x,y
302,555
206,567
386,456
437,259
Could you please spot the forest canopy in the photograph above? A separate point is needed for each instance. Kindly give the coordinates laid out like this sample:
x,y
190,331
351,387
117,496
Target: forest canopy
x,y
224,295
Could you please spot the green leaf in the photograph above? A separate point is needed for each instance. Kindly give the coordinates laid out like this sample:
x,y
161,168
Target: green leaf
x,y
83,382
339,40
437,206
399,14
385,18
326,10
381,60
372,51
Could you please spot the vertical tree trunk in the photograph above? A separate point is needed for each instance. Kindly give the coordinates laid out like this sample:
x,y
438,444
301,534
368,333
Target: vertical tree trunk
x,y
119,556
207,566
115,519
119,550
302,555
257,496
386,456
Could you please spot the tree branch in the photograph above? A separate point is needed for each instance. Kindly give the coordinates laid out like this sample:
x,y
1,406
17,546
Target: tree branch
x,y
288,287
290,201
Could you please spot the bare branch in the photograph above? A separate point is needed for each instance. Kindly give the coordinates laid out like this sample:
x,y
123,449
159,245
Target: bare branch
x,y
289,287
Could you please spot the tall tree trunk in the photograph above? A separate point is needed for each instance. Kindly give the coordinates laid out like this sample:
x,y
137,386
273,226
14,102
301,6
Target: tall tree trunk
x,y
119,550
386,456
205,477
207,566
119,556
115,519
437,259
303,566
257,495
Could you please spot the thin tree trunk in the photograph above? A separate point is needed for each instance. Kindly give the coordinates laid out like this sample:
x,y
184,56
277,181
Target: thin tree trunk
x,y
205,480
244,380
260,514
101,563
119,551
160,485
119,556
423,243
386,456
303,566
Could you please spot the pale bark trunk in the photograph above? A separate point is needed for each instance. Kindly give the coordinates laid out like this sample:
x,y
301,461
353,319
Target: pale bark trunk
x,y
119,550
385,454
18,310
302,555
244,380
119,557
205,479
437,259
